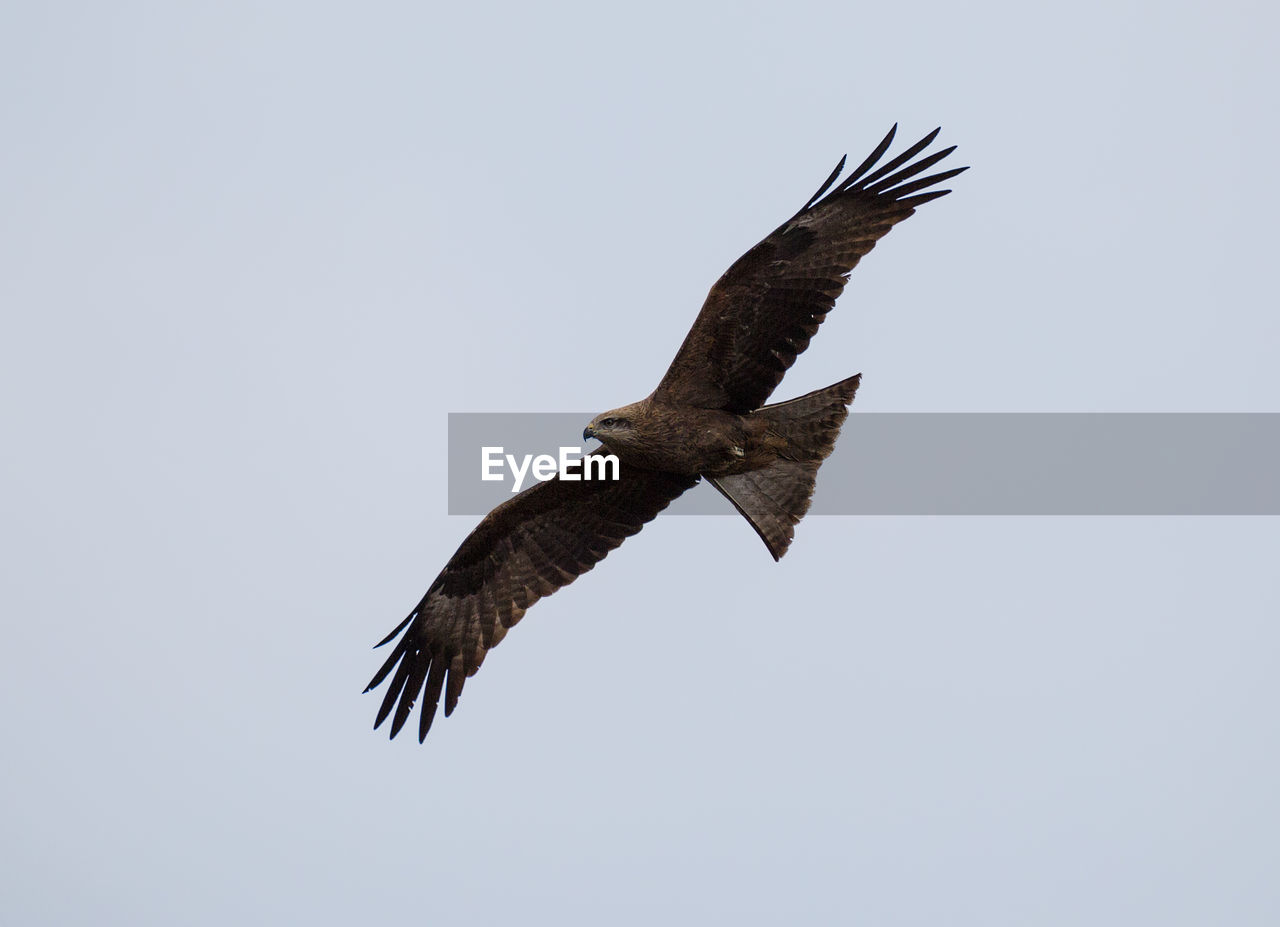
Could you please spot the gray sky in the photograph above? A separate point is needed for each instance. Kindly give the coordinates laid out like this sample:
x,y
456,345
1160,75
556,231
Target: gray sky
x,y
255,253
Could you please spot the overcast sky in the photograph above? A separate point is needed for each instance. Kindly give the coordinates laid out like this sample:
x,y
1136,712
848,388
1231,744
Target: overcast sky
x,y
254,254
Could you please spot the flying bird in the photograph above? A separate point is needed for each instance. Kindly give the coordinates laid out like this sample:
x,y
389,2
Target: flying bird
x,y
707,419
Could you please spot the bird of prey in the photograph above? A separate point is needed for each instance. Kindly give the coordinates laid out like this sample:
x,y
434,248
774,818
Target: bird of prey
x,y
707,418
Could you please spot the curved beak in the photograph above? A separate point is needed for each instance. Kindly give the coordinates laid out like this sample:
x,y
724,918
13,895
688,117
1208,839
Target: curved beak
x,y
588,432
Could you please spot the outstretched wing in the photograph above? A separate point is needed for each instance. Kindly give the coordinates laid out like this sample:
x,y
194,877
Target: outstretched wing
x,y
761,314
526,548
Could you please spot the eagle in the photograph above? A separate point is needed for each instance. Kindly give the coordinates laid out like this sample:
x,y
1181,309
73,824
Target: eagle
x,y
706,419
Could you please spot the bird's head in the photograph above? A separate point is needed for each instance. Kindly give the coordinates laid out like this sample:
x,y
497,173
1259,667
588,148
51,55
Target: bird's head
x,y
612,428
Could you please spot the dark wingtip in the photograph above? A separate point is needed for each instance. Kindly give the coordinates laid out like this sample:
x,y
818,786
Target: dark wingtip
x,y
870,160
859,178
826,184
398,628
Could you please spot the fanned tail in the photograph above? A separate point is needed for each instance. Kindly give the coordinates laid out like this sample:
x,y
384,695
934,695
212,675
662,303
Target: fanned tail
x,y
774,498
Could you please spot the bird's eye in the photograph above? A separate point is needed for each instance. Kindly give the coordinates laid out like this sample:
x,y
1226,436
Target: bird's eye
x,y
607,422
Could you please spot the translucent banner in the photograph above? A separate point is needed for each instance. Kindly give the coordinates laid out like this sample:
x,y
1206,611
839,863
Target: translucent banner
x,y
945,464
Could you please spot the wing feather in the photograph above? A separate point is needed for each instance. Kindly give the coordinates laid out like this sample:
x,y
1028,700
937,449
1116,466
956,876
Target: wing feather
x,y
766,308
893,164
526,548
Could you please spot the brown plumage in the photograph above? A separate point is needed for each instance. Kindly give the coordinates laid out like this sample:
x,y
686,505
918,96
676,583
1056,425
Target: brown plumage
x,y
707,418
